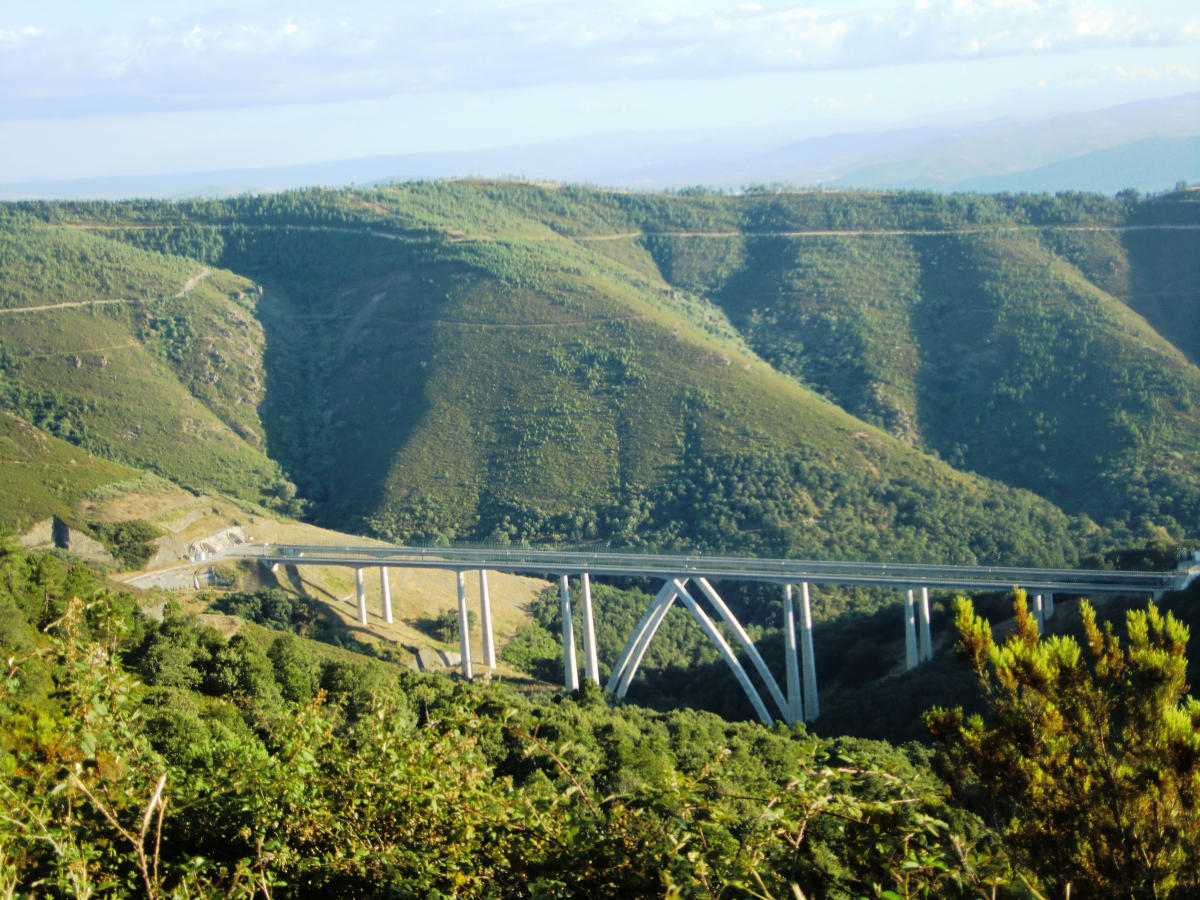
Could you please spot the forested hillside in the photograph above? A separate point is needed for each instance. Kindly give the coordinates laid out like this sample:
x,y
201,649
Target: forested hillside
x,y
910,376
968,379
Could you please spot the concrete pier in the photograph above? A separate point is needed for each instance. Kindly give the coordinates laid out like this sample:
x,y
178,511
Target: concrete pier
x,y
385,594
1048,606
362,596
911,657
464,629
926,638
570,671
791,663
1039,613
591,665
812,706
485,621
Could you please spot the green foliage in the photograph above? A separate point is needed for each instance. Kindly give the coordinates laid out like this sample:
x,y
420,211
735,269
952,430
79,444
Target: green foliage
x,y
1089,764
42,476
249,779
445,624
161,378
534,650
128,541
273,608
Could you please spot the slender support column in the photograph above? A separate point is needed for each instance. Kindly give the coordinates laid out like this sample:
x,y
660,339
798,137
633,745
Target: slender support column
x,y
714,598
730,657
910,632
791,663
385,593
635,639
1039,613
485,621
1049,606
570,672
591,665
464,629
362,596
812,706
662,607
926,637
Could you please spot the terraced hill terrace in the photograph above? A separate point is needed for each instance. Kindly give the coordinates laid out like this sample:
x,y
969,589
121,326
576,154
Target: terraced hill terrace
x,y
860,375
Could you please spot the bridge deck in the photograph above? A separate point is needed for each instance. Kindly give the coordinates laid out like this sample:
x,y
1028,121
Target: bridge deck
x,y
777,571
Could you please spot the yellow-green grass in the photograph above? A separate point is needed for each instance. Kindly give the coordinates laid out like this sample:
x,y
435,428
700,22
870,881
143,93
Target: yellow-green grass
x,y
41,476
170,384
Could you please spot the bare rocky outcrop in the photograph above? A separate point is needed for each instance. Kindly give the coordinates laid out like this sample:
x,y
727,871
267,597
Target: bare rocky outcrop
x,y
55,534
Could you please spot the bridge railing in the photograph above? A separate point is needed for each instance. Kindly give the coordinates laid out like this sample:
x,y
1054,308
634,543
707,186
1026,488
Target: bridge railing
x,y
715,566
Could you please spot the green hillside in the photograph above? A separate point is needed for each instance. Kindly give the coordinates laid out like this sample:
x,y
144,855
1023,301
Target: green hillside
x,y
41,476
999,349
505,361
168,382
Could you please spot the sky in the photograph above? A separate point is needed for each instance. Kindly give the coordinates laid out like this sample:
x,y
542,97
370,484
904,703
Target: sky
x,y
133,88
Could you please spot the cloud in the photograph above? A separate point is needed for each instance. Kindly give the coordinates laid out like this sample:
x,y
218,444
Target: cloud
x,y
272,55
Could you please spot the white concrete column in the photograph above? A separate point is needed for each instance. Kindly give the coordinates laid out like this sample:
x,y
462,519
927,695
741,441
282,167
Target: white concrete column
x,y
639,653
812,706
626,661
791,663
570,672
726,613
730,657
464,630
1049,606
911,658
926,637
591,665
1039,613
362,596
485,621
385,593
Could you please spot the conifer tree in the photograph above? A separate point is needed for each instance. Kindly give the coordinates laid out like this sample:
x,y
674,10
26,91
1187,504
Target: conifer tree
x,y
1088,765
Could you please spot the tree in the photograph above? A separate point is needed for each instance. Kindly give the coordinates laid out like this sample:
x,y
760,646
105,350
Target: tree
x,y
1089,767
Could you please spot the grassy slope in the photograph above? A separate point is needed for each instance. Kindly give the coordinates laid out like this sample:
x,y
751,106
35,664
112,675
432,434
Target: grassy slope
x,y
518,361
994,348
41,476
168,384
478,385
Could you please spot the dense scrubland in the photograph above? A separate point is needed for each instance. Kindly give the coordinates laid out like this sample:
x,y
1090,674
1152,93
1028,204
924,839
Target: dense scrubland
x,y
162,759
908,376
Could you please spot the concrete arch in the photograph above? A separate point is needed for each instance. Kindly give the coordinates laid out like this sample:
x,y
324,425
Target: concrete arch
x,y
639,642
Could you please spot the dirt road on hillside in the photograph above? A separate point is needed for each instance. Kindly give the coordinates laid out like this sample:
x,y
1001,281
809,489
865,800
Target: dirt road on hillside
x,y
188,286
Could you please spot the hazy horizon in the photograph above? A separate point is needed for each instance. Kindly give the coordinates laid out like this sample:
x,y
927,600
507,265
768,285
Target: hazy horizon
x,y
138,89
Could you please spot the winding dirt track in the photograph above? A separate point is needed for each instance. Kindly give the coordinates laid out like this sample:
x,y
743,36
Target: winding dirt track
x,y
187,289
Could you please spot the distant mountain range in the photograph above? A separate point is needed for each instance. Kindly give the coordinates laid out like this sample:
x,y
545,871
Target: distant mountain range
x,y
1148,145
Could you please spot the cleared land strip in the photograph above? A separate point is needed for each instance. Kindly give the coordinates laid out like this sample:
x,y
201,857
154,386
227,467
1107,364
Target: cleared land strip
x,y
187,289
890,232
448,323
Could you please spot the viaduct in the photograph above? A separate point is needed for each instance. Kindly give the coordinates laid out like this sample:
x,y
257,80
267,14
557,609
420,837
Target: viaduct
x,y
799,702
